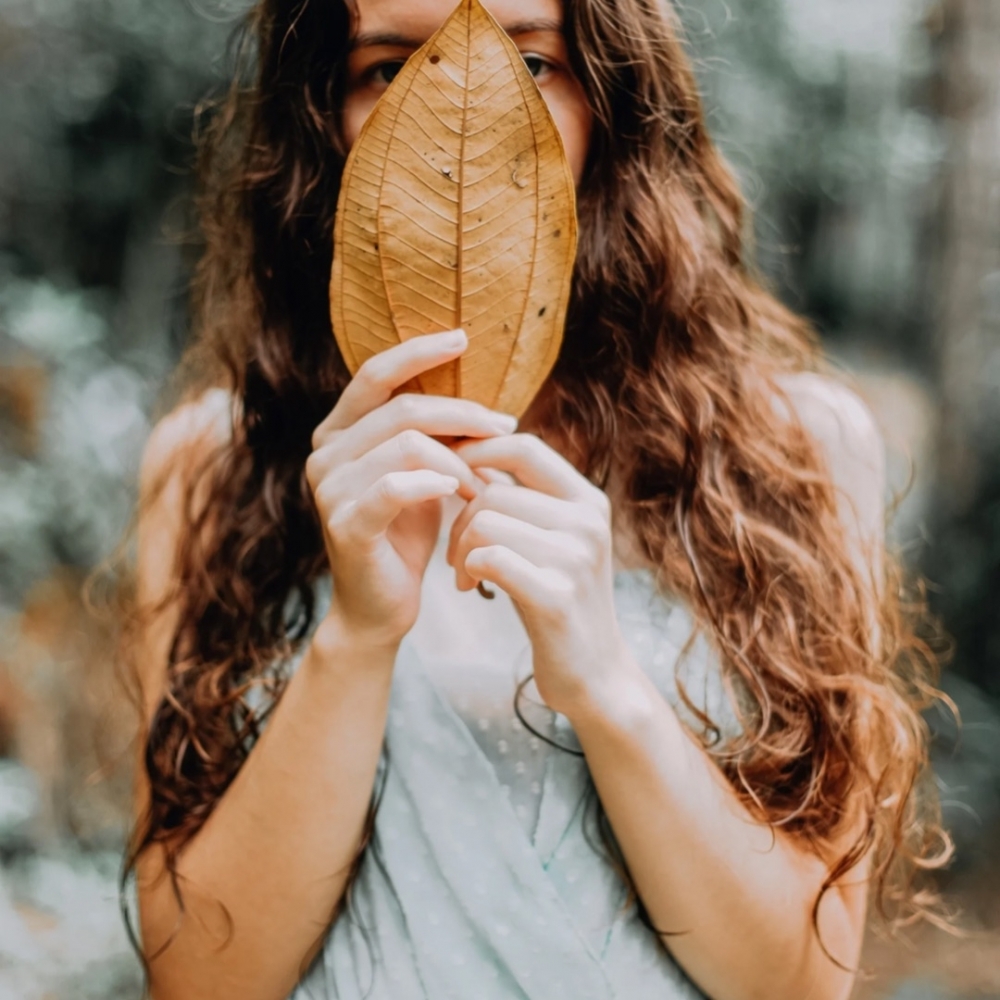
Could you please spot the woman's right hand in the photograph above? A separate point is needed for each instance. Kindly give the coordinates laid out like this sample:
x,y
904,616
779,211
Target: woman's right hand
x,y
378,477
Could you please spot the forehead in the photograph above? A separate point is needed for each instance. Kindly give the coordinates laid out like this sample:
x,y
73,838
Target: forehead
x,y
421,18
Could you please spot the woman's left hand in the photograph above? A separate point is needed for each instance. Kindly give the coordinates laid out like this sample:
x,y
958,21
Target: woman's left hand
x,y
547,542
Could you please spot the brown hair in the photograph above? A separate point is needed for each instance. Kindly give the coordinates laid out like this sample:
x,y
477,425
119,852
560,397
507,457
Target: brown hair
x,y
666,384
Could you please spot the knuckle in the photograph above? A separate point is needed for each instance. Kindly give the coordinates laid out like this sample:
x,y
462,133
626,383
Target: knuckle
x,y
593,525
320,462
559,592
563,587
410,444
374,373
602,504
580,556
338,524
407,406
325,496
388,486
532,442
479,524
491,554
323,436
495,495
488,494
313,471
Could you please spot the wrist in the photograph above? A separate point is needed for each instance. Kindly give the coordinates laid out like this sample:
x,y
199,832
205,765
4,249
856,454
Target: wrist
x,y
625,699
335,641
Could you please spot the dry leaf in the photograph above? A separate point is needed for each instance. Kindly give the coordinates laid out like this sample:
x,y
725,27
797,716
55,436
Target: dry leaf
x,y
457,209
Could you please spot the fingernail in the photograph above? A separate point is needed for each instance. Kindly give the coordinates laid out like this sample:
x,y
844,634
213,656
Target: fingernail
x,y
508,421
456,337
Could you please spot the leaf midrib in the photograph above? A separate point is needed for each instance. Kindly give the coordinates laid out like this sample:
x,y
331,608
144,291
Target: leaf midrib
x,y
460,222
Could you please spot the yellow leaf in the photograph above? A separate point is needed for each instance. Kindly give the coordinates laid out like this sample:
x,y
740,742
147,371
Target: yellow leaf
x,y
457,208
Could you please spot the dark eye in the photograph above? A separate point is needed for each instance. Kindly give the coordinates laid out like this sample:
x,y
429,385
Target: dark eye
x,y
537,65
386,72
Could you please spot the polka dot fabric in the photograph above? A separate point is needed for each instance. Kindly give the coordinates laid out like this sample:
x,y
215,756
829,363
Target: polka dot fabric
x,y
482,880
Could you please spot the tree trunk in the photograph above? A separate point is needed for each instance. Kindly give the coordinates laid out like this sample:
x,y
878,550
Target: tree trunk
x,y
969,328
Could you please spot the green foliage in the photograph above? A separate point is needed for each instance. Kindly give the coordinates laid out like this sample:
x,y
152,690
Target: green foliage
x,y
95,126
838,158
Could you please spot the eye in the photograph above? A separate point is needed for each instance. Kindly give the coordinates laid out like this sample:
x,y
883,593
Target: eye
x,y
385,73
537,65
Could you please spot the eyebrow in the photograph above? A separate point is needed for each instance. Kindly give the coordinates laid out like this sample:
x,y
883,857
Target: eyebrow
x,y
395,40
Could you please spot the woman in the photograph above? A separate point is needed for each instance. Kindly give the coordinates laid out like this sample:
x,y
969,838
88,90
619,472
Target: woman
x,y
713,767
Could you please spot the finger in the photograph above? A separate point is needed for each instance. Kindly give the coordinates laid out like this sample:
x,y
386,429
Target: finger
x,y
382,374
495,476
541,546
531,461
387,498
436,416
537,508
406,452
528,585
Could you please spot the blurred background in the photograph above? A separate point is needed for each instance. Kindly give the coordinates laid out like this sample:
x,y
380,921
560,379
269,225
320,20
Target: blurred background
x,y
867,136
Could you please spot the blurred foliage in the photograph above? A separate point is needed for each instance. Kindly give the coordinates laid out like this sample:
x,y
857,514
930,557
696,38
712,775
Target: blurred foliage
x,y
836,116
818,107
95,126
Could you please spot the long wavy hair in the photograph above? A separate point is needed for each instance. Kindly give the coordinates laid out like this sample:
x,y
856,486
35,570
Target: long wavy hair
x,y
666,386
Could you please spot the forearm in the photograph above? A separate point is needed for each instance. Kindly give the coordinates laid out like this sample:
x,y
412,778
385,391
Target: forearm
x,y
276,852
738,895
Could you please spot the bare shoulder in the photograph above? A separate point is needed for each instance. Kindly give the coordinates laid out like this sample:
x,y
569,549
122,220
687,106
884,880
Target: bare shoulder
x,y
173,452
832,412
183,436
849,439
172,455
